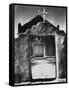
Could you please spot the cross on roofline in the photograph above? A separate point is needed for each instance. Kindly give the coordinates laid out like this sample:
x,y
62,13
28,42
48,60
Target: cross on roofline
x,y
44,13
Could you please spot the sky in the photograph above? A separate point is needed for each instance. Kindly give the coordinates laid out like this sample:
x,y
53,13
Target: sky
x,y
23,14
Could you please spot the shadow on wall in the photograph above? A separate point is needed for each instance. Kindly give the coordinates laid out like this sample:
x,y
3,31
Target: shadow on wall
x,y
63,60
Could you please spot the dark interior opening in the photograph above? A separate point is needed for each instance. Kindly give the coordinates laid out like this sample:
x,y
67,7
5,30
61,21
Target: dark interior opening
x,y
42,46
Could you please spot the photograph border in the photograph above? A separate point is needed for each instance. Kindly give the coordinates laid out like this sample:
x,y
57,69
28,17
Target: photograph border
x,y
12,43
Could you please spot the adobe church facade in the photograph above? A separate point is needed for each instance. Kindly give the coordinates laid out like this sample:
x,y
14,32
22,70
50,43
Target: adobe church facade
x,y
37,27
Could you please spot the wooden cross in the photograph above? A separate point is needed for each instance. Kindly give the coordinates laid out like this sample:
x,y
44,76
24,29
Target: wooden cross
x,y
43,14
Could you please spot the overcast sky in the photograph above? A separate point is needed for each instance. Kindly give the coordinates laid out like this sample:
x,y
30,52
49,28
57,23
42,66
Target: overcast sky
x,y
56,15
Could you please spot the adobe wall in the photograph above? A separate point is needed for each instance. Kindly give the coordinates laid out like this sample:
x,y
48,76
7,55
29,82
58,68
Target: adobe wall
x,y
22,52
22,59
